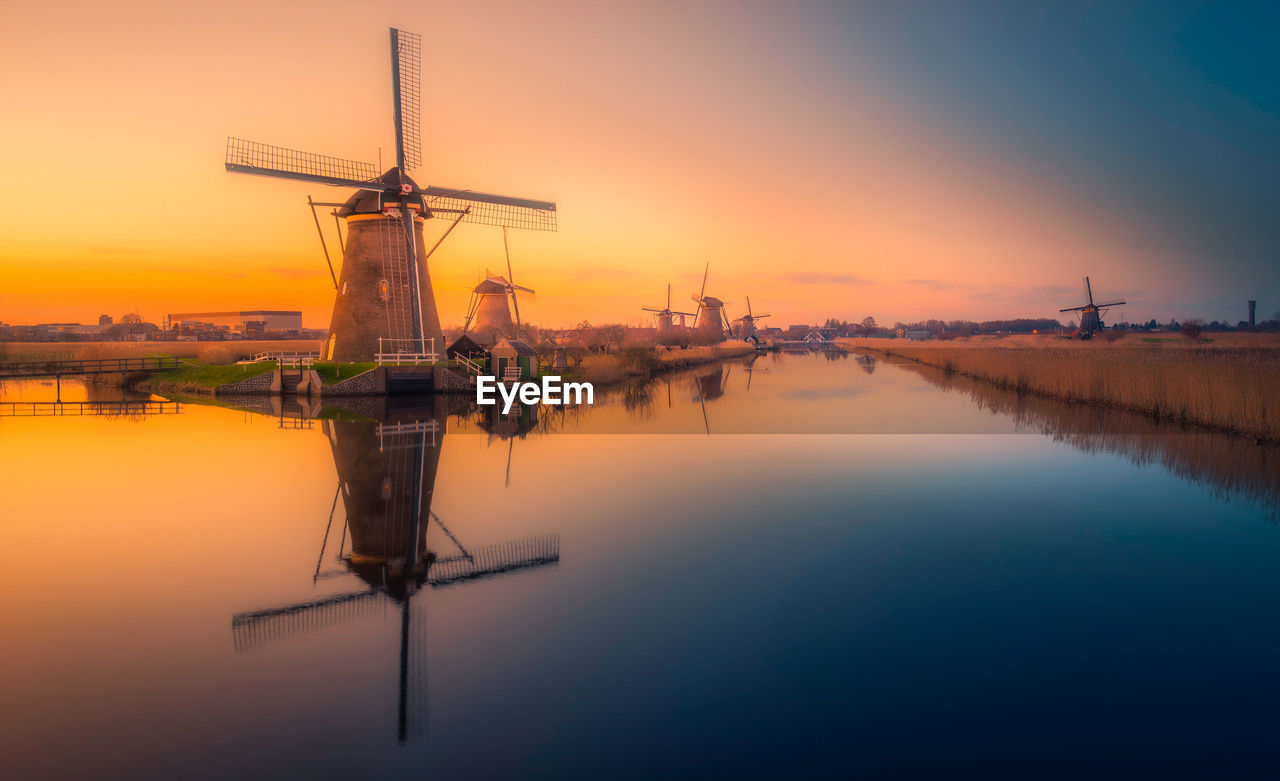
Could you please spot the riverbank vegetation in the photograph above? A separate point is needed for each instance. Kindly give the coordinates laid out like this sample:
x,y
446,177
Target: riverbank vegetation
x,y
1230,384
199,378
640,361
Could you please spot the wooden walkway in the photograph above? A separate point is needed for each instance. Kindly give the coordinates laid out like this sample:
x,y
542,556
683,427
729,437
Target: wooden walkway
x,y
34,369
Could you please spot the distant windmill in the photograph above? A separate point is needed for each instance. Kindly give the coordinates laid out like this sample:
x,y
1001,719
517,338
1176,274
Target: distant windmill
x,y
492,301
711,321
663,316
384,298
747,324
1090,313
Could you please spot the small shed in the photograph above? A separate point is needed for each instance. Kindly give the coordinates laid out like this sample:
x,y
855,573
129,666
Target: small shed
x,y
467,347
512,359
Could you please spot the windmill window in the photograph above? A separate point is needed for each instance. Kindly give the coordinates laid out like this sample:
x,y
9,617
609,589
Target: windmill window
x,y
383,289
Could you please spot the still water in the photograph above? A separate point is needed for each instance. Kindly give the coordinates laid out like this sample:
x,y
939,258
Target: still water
x,y
817,564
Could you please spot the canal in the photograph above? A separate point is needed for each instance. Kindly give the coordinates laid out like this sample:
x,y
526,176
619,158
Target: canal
x,y
804,564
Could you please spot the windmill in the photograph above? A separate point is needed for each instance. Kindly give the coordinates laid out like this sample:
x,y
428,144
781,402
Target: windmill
x,y
747,324
711,321
1090,313
384,297
663,316
387,477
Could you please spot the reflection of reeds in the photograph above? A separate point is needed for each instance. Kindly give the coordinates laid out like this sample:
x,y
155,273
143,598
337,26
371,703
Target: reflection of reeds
x,y
1227,388
1232,467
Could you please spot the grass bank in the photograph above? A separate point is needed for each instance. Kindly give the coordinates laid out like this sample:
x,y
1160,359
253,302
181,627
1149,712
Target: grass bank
x,y
1229,385
632,362
200,378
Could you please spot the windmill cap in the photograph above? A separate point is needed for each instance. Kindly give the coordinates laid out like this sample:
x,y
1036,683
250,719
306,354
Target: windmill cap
x,y
370,201
711,301
491,286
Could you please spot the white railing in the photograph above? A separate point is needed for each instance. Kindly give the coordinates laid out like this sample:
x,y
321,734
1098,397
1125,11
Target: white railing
x,y
292,360
475,367
398,352
511,374
399,429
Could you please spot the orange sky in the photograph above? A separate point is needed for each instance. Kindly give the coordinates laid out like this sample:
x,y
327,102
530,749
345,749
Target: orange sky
x,y
669,138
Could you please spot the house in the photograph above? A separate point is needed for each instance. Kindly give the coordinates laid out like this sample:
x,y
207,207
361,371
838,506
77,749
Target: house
x,y
513,359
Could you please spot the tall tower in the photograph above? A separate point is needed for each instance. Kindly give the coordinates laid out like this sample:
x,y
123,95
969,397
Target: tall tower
x,y
1253,305
375,297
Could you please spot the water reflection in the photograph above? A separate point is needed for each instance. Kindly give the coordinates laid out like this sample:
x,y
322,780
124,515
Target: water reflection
x,y
1232,467
386,479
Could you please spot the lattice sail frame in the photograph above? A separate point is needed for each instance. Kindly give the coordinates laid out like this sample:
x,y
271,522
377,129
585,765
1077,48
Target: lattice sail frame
x,y
255,157
495,210
407,50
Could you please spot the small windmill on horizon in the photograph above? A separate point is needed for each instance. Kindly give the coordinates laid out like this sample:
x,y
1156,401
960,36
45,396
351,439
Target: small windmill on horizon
x,y
385,301
1090,313
664,316
747,324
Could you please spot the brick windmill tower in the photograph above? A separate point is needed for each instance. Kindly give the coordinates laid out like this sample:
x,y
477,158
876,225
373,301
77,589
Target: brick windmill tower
x,y
711,323
385,303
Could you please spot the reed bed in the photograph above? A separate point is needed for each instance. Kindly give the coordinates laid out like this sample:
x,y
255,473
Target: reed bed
x,y
1233,386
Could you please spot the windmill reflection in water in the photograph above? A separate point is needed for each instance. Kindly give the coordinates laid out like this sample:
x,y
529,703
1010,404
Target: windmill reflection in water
x,y
386,473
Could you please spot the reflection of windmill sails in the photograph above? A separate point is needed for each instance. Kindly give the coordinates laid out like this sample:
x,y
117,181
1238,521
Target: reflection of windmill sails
x,y
387,477
710,386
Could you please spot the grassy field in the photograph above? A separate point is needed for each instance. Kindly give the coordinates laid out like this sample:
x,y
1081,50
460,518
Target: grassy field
x,y
1231,383
193,377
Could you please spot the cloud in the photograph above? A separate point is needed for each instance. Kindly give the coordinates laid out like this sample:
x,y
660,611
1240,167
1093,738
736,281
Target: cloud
x,y
932,284
823,278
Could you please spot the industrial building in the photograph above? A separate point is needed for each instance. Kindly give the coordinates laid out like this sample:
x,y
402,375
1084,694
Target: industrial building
x,y
255,321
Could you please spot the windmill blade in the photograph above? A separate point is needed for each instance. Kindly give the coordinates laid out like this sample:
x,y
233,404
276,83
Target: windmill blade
x,y
759,317
668,295
1088,291
253,157
1072,309
406,81
510,276
651,309
705,271
263,626
488,209
495,560
749,306
1113,303
530,291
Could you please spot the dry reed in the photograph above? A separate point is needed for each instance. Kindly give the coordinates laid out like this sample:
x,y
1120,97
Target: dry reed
x,y
1231,387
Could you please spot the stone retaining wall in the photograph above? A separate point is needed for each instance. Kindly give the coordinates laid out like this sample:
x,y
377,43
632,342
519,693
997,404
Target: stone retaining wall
x,y
258,385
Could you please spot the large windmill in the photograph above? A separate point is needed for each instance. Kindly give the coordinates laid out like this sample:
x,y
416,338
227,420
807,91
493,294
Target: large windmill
x,y
663,316
711,322
747,324
386,475
1090,313
384,300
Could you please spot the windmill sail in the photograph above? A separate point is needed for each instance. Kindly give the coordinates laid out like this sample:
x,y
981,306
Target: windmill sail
x,y
406,80
253,157
487,209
